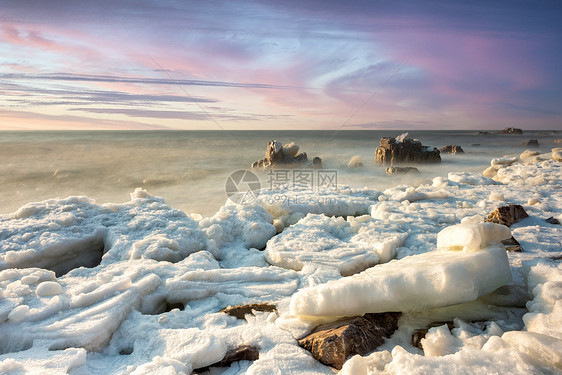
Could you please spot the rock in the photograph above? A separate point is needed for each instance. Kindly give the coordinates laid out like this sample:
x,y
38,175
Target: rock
x,y
240,311
316,163
401,170
291,149
332,344
507,215
510,131
484,133
391,151
241,353
559,140
552,220
277,155
512,245
355,162
475,145
531,143
450,149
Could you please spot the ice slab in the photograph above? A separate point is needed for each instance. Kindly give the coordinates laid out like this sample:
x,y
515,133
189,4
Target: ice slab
x,y
417,282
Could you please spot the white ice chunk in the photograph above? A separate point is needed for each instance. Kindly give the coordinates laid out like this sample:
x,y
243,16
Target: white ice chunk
x,y
471,237
19,313
48,288
542,348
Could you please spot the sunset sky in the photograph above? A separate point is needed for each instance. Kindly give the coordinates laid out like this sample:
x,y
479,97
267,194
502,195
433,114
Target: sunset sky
x,y
288,64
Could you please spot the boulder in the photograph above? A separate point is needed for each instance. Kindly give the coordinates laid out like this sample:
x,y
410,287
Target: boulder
x,y
355,162
332,344
401,170
530,143
240,311
507,215
316,163
405,150
475,145
510,131
552,220
450,149
277,155
484,133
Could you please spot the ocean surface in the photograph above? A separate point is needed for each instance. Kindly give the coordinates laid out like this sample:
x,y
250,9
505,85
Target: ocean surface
x,y
189,168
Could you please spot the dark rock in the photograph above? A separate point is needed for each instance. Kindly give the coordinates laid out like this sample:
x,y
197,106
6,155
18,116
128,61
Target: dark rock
x,y
510,131
277,155
512,245
241,310
484,133
552,220
404,150
531,143
450,149
401,170
241,353
475,145
555,257
316,163
419,334
332,344
507,215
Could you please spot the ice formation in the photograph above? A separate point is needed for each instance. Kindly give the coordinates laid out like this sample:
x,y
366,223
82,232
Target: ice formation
x,y
137,287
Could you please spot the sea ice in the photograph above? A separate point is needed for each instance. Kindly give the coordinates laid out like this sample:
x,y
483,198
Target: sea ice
x,y
433,279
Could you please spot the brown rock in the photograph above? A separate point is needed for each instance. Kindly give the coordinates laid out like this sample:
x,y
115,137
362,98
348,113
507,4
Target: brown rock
x,y
240,311
530,143
512,245
450,149
407,151
277,156
332,344
552,220
507,215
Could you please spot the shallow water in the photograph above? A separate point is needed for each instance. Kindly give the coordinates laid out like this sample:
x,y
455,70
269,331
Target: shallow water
x,y
189,168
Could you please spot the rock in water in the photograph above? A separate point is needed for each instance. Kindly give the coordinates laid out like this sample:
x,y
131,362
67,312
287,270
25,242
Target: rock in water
x,y
450,149
391,151
507,215
530,143
333,343
355,162
277,155
401,170
510,131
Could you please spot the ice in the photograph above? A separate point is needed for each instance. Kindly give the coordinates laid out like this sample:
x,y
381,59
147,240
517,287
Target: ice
x,y
417,282
350,246
48,288
137,287
472,237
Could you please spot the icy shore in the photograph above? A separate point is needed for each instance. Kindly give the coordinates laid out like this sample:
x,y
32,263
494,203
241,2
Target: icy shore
x,y
138,287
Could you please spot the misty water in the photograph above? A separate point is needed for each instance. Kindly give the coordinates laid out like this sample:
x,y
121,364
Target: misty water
x,y
189,168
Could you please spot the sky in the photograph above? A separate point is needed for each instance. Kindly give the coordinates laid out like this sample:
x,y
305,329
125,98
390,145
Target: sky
x,y
288,64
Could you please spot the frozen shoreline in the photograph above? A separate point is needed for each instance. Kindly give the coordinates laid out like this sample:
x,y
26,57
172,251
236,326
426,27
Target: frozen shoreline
x,y
147,258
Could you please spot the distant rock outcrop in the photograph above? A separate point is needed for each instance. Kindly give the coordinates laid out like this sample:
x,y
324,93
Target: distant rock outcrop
x,y
450,149
333,343
405,150
510,131
287,156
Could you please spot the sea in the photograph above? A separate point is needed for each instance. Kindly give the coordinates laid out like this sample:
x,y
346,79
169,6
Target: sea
x,y
189,169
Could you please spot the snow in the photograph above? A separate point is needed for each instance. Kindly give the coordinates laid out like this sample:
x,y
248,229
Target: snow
x,y
137,287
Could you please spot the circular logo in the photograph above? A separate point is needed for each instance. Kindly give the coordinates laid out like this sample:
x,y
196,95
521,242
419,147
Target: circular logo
x,y
242,186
